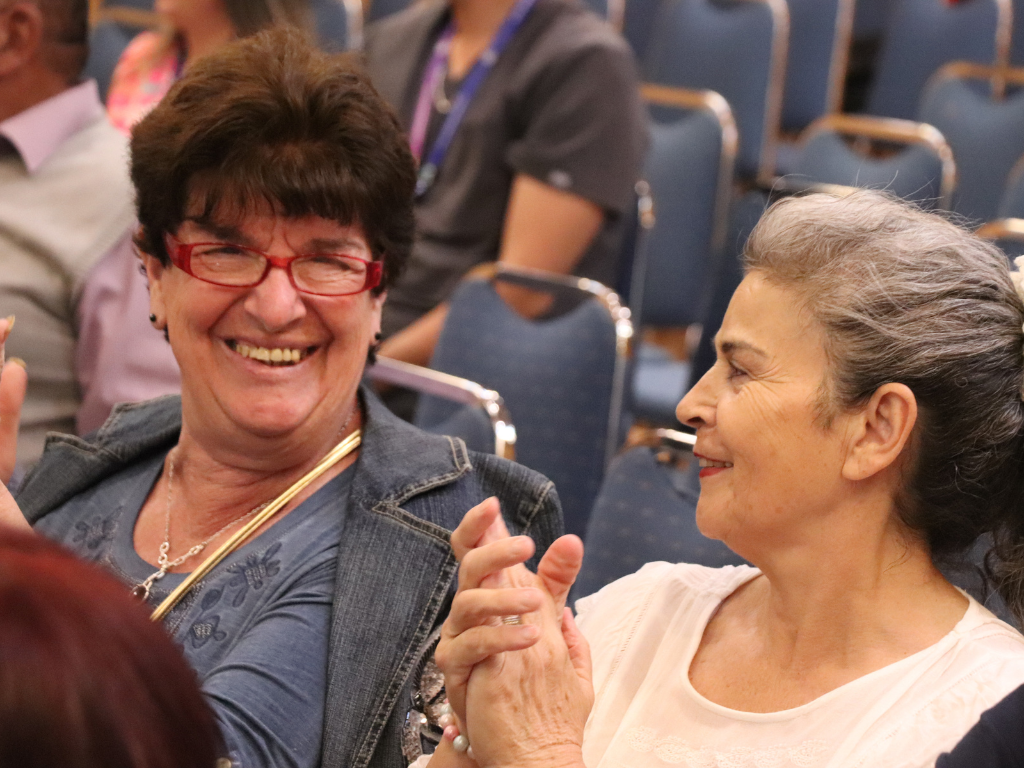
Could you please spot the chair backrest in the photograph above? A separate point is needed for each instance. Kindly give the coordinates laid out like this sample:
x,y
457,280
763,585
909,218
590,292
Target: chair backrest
x,y
819,48
480,417
1008,234
1011,205
985,132
638,22
737,48
381,8
921,168
869,18
107,41
923,35
1017,35
689,170
338,23
562,378
646,512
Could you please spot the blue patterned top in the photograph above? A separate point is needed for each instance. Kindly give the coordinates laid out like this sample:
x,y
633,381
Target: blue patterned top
x,y
255,630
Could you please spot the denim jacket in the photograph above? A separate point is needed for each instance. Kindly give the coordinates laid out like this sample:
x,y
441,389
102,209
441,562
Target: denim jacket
x,y
396,570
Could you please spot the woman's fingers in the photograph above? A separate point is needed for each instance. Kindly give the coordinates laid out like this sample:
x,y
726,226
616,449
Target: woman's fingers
x,y
13,384
10,512
474,525
494,558
478,606
579,648
559,567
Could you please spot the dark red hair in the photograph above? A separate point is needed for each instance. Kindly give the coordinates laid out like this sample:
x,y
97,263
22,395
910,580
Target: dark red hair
x,y
86,679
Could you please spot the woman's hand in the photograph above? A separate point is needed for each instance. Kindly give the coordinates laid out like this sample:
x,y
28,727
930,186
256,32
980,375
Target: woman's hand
x,y
13,382
527,686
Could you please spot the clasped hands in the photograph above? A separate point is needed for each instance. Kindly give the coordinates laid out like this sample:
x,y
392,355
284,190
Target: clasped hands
x,y
13,383
521,692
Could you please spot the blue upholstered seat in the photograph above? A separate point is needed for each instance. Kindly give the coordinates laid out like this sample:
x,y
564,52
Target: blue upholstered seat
x,y
819,42
986,134
645,512
922,35
107,41
689,169
736,48
915,172
556,377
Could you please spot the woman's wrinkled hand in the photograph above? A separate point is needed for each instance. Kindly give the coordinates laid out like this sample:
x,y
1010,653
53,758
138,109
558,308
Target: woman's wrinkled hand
x,y
526,687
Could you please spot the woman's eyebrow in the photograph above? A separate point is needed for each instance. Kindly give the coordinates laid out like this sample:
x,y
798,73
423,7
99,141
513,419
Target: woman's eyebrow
x,y
730,347
323,244
224,232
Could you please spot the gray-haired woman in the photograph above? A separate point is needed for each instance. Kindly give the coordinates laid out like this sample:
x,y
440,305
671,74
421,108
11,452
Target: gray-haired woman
x,y
863,422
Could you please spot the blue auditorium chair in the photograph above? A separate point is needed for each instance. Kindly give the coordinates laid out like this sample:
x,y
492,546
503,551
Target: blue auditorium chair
x,y
819,47
561,377
1011,205
638,20
381,8
479,416
646,512
1007,233
1017,35
920,169
338,23
737,48
984,126
922,35
107,41
689,170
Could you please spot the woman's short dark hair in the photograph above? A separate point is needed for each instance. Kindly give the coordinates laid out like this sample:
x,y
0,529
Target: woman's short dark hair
x,y
907,296
87,680
272,121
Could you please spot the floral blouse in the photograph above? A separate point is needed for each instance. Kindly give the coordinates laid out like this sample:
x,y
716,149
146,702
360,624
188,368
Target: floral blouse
x,y
147,69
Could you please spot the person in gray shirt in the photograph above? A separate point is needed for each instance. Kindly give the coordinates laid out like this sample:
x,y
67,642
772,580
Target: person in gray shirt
x,y
542,164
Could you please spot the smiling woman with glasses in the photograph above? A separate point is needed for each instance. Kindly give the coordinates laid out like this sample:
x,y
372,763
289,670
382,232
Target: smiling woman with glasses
x,y
289,531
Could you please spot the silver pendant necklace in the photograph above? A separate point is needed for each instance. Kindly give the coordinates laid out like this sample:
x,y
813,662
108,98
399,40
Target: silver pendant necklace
x,y
163,560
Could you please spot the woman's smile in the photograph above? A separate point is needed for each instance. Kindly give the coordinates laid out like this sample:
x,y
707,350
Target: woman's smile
x,y
273,356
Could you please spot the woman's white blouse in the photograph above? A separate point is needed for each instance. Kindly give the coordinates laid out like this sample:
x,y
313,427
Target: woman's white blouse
x,y
644,631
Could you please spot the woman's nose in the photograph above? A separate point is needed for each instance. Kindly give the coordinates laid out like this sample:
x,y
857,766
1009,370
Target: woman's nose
x,y
275,303
697,408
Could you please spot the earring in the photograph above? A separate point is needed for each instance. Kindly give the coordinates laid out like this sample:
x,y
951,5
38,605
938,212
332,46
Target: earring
x,y
152,318
371,354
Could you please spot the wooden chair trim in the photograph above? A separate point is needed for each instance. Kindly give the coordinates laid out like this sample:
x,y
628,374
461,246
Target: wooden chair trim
x,y
1002,229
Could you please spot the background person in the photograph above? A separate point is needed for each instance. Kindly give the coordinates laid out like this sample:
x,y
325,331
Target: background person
x,y
539,171
274,193
66,216
863,421
154,61
88,680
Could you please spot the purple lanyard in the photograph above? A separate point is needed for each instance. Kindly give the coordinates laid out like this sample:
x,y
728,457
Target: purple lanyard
x,y
432,78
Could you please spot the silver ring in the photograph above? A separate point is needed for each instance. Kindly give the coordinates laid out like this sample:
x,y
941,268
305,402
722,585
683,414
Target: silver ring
x,y
512,621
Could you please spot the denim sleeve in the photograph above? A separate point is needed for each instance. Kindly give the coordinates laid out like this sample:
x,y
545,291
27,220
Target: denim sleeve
x,y
268,691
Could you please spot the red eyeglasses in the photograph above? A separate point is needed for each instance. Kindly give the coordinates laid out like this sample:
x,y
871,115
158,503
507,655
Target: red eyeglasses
x,y
236,266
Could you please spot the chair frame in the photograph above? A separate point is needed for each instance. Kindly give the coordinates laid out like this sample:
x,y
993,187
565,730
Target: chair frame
x,y
879,129
840,56
776,85
609,299
999,75
999,229
714,103
452,388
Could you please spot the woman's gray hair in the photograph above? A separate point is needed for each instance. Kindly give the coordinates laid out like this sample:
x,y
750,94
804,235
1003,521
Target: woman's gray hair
x,y
907,296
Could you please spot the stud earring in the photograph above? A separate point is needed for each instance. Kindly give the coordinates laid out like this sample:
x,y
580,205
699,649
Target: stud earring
x,y
152,318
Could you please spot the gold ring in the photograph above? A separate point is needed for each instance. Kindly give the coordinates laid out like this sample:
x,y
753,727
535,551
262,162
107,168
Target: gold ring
x,y
512,621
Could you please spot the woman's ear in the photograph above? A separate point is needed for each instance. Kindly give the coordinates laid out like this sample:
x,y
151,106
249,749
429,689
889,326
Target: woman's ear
x,y
155,271
884,427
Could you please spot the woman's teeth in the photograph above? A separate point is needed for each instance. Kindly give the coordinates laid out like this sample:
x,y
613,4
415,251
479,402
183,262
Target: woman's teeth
x,y
275,356
704,463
